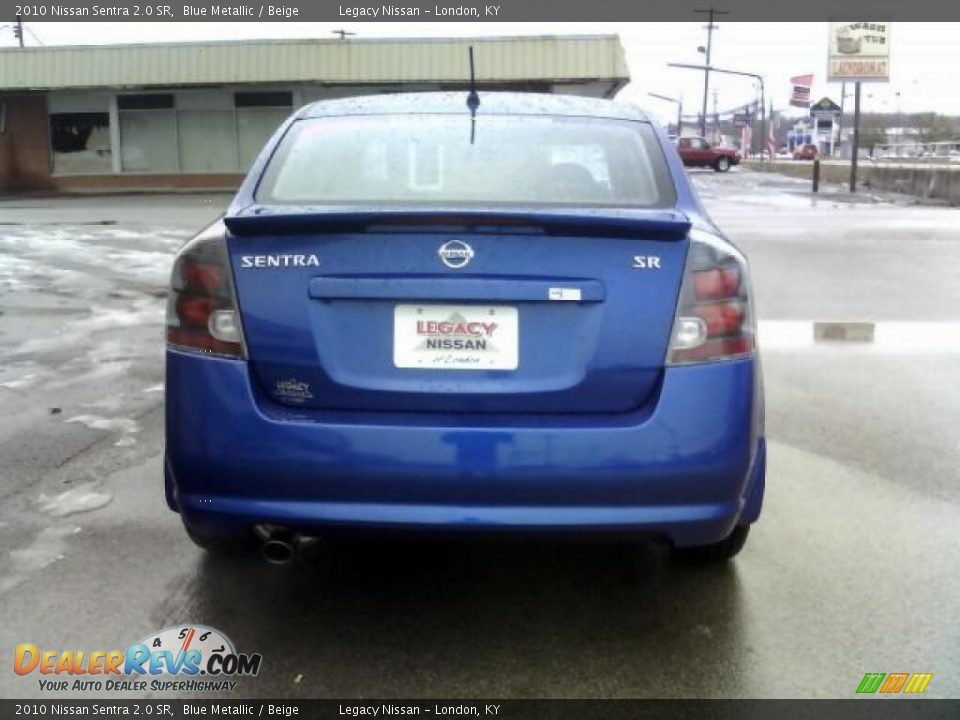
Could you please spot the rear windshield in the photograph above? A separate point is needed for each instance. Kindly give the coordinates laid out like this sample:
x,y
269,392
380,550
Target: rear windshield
x,y
432,160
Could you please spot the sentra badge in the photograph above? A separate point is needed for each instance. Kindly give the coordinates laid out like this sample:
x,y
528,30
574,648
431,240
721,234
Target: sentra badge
x,y
279,261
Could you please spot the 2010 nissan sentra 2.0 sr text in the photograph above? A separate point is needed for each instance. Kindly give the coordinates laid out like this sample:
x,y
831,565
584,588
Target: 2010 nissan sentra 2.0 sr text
x,y
417,317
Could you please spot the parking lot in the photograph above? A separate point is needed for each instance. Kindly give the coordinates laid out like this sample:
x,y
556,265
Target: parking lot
x,y
852,568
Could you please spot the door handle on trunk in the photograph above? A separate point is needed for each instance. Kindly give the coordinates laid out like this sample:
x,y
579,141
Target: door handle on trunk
x,y
482,289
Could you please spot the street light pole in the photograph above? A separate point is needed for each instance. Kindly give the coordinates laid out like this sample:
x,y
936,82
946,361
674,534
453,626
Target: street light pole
x,y
710,13
679,104
755,76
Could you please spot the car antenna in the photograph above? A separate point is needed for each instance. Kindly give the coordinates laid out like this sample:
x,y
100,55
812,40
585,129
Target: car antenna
x,y
473,100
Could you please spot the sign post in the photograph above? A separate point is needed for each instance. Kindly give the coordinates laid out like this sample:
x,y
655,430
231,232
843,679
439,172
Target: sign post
x,y
858,52
856,138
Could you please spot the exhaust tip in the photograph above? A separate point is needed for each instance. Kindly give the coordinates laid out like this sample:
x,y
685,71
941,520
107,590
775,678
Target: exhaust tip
x,y
277,551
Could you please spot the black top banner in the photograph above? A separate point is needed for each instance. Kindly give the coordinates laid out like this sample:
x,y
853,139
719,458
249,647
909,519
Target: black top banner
x,y
873,709
471,11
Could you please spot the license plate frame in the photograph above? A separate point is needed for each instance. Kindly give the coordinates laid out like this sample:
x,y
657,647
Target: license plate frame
x,y
456,337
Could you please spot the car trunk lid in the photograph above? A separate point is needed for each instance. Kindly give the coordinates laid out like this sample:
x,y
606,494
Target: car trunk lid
x,y
497,311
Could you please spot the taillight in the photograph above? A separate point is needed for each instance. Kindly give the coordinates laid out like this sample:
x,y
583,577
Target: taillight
x,y
202,308
715,319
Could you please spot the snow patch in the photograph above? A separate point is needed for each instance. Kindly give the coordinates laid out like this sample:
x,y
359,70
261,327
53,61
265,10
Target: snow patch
x,y
20,382
98,422
47,547
82,498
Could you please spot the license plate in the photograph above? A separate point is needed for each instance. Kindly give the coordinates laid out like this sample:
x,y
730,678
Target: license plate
x,y
455,337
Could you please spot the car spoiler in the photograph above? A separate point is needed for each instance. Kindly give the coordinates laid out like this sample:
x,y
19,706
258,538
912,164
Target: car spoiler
x,y
277,220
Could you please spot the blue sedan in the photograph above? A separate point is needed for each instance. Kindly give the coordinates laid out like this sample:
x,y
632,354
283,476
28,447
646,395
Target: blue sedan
x,y
419,314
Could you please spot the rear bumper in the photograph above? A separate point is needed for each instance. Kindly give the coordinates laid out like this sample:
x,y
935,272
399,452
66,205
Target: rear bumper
x,y
687,468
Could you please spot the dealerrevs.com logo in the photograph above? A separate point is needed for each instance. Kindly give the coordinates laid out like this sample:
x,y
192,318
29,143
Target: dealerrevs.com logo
x,y
191,658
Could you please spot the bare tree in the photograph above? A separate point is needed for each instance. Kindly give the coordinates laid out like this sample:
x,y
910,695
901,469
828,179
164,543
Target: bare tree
x,y
931,127
873,131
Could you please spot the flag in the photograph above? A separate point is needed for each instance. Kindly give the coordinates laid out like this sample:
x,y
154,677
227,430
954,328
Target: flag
x,y
800,97
746,141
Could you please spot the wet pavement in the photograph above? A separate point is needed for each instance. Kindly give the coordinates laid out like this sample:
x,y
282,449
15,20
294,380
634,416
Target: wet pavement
x,y
852,569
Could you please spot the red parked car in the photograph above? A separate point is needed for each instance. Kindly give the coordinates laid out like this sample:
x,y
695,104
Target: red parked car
x,y
697,152
805,152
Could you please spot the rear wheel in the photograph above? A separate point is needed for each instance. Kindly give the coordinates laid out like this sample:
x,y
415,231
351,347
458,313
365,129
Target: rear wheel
x,y
722,164
222,545
715,552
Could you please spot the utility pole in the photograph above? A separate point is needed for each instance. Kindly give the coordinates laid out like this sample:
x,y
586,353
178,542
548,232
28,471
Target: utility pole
x,y
18,30
711,13
755,76
716,118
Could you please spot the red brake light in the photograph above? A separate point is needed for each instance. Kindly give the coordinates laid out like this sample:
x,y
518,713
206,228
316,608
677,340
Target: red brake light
x,y
716,283
201,309
194,339
201,276
714,318
195,310
721,319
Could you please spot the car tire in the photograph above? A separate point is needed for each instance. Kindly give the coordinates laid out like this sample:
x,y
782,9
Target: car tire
x,y
715,552
222,545
721,164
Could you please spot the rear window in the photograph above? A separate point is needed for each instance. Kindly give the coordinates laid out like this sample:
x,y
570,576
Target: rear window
x,y
431,160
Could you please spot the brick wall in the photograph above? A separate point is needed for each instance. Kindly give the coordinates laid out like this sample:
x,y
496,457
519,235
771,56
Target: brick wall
x,y
25,151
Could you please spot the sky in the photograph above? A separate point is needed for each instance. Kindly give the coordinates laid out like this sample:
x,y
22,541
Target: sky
x,y
924,56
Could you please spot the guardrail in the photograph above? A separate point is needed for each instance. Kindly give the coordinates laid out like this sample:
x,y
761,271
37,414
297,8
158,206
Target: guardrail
x,y
941,182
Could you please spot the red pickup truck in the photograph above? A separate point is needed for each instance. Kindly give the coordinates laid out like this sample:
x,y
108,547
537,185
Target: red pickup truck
x,y
697,152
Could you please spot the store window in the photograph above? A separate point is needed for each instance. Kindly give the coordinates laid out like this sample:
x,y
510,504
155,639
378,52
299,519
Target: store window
x,y
80,142
193,130
148,133
208,141
259,114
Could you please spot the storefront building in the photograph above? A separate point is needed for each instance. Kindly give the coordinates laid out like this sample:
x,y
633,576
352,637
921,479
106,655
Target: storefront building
x,y
194,115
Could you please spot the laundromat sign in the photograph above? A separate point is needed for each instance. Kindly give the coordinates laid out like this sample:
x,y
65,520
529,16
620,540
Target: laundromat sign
x,y
859,51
